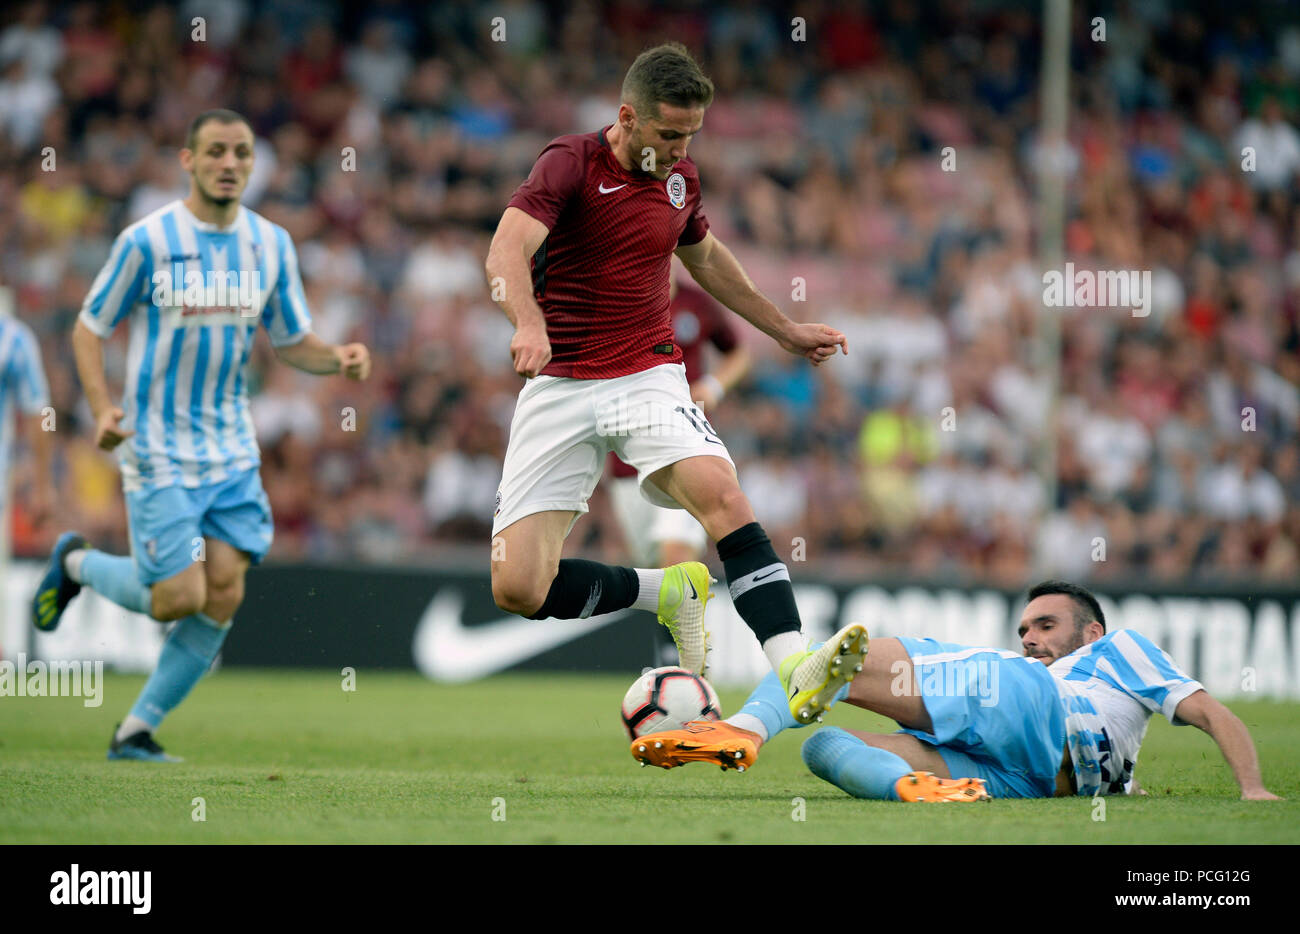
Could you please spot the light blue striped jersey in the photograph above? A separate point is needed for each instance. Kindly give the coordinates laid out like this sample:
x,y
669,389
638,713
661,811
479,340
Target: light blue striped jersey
x,y
194,294
1110,689
22,385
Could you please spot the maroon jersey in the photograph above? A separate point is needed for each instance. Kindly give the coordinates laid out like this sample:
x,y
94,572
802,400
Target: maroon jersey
x,y
697,320
601,275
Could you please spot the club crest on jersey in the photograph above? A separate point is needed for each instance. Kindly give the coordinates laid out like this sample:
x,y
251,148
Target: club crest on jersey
x,y
677,190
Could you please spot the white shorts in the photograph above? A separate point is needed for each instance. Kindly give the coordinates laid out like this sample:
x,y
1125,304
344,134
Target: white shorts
x,y
646,527
563,429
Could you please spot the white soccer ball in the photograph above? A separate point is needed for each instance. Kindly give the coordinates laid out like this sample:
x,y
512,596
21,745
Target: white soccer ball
x,y
668,699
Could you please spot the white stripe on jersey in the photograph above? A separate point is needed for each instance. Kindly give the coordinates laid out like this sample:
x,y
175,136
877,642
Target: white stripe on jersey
x,y
186,391
8,384
183,433
114,288
940,657
1145,667
1110,688
22,385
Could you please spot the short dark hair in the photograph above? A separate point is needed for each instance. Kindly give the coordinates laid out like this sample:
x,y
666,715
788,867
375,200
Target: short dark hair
x,y
1086,607
665,74
208,116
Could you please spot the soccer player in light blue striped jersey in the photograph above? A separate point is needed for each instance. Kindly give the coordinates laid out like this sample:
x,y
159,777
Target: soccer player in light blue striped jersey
x,y
23,389
193,281
1067,716
1110,684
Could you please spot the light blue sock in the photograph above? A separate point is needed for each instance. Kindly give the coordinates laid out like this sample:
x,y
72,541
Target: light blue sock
x,y
115,577
845,761
188,652
769,704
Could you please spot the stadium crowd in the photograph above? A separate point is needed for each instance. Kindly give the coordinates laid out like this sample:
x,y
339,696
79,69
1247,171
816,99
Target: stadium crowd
x,y
391,136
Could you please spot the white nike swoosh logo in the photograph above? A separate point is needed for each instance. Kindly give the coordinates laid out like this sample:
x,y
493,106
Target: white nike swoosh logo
x,y
445,649
605,191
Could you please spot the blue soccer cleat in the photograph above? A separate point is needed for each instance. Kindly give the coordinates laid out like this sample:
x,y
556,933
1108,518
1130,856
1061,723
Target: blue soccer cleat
x,y
139,746
56,589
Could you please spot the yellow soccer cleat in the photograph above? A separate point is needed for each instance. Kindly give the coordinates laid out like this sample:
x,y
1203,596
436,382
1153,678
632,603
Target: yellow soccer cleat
x,y
698,741
682,598
924,786
813,678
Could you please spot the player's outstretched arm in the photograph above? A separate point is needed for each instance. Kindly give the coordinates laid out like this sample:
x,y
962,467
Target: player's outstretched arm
x,y
1205,713
720,274
88,351
313,355
519,235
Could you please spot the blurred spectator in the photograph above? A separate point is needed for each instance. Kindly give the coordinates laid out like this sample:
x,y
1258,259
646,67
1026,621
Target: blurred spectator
x,y
390,138
1276,147
26,99
33,40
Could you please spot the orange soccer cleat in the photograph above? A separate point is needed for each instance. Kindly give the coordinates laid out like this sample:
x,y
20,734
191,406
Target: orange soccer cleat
x,y
924,786
699,741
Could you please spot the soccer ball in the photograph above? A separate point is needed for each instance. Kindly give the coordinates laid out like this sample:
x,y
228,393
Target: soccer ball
x,y
668,699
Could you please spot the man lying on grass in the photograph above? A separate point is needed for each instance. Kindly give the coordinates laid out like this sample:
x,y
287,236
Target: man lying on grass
x,y
1066,717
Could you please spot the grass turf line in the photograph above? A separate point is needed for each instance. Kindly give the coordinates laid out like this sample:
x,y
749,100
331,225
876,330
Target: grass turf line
x,y
291,757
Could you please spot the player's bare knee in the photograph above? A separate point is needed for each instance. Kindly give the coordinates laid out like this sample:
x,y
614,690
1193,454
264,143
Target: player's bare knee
x,y
736,504
523,598
173,603
728,511
224,599
521,603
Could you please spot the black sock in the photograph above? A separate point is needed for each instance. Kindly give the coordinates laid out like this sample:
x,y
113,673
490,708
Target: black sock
x,y
583,588
759,582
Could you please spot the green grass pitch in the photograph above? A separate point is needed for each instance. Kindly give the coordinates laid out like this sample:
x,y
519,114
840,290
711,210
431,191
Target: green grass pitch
x,y
289,757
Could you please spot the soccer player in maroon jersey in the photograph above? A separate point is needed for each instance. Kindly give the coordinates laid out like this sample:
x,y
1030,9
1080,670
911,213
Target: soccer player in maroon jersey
x,y
672,536
580,264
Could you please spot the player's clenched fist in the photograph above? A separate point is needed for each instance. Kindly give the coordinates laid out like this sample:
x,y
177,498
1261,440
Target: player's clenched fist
x,y
108,434
530,350
354,361
817,342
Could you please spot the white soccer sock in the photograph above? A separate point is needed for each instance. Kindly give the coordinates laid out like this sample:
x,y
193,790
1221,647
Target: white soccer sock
x,y
72,563
747,721
130,726
781,646
647,597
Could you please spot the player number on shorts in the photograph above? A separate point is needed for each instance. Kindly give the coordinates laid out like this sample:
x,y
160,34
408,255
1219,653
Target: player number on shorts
x,y
697,420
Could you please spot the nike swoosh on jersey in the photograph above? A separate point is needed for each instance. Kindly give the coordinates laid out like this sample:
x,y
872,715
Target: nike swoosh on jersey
x,y
605,191
445,649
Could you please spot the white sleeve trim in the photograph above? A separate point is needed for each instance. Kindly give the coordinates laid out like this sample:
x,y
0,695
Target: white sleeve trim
x,y
1175,697
103,329
290,339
